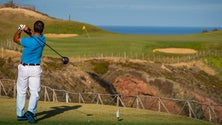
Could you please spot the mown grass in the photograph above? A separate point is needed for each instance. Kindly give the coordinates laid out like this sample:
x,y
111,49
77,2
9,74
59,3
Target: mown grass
x,y
91,114
114,44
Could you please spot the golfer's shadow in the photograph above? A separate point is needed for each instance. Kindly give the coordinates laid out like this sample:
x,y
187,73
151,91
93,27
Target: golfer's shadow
x,y
55,111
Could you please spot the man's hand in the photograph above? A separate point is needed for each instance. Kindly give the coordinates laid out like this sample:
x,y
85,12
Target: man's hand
x,y
21,27
17,35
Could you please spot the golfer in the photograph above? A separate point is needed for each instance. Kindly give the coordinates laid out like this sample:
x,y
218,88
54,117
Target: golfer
x,y
29,70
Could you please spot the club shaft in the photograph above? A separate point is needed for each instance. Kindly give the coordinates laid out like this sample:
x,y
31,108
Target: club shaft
x,y
29,33
53,50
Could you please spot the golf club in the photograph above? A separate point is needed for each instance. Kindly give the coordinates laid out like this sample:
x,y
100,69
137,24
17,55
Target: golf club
x,y
65,60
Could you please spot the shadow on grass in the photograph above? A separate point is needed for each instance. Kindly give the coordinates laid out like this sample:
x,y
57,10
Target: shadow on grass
x,y
55,111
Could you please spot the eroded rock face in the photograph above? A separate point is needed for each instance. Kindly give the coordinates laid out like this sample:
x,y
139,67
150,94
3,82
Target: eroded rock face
x,y
130,85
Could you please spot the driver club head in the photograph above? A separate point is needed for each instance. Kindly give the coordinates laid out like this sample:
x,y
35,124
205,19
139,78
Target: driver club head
x,y
65,60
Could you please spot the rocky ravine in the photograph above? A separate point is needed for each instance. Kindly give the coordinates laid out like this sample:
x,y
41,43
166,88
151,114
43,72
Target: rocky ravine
x,y
130,77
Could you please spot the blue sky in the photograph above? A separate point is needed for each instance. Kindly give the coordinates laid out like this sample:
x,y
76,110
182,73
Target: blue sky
x,y
133,12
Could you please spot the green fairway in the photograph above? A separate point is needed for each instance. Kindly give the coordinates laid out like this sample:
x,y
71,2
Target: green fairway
x,y
132,45
91,114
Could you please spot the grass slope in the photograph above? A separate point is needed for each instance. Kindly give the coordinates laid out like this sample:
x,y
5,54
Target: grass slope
x,y
10,18
91,114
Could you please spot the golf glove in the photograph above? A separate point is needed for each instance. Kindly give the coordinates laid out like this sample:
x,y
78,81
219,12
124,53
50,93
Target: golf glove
x,y
21,27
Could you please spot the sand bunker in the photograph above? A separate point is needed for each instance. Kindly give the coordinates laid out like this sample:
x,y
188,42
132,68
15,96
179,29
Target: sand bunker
x,y
176,50
51,35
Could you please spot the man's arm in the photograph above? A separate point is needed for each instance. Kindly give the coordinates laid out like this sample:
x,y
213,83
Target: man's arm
x,y
17,37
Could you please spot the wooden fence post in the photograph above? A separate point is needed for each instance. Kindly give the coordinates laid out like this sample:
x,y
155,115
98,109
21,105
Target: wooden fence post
x,y
120,101
14,90
190,110
160,102
67,97
139,102
159,105
209,111
2,88
54,96
46,95
81,98
99,100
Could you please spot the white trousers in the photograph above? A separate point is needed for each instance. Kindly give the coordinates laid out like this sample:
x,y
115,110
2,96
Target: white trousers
x,y
28,77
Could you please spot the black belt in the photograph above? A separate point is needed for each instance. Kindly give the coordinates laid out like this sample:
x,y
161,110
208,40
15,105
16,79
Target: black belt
x,y
31,64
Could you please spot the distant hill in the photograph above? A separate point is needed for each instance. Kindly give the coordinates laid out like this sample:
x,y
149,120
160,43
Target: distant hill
x,y
12,4
10,18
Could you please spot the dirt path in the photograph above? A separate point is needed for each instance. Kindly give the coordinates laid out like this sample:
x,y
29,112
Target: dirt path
x,y
199,64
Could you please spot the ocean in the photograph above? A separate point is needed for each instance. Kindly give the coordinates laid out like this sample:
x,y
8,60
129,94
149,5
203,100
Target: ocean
x,y
157,30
